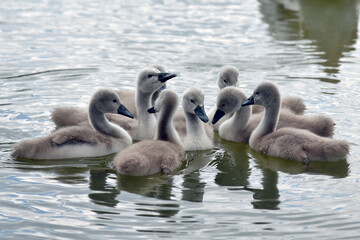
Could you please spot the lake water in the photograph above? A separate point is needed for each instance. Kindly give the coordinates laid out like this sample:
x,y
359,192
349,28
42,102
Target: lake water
x,y
57,53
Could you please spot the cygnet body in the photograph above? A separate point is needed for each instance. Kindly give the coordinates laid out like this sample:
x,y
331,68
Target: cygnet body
x,y
101,138
291,143
128,96
70,116
196,135
228,77
164,153
148,81
240,126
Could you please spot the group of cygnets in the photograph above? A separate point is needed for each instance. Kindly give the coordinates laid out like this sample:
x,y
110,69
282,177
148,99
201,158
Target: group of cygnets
x,y
150,116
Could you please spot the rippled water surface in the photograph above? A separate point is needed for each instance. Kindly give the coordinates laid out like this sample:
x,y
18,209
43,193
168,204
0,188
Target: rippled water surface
x,y
58,52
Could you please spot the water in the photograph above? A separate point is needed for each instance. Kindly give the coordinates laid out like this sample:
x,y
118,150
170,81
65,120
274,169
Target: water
x,y
58,52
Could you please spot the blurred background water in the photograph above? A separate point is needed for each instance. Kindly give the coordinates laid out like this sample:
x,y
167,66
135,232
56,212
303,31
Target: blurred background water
x,y
57,53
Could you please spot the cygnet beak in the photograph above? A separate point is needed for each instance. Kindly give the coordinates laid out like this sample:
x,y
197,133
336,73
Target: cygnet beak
x,y
124,111
200,112
163,77
218,114
249,101
151,110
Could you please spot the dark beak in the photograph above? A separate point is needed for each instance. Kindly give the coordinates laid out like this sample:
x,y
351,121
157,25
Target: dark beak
x,y
151,110
124,111
163,87
200,112
218,114
163,77
249,101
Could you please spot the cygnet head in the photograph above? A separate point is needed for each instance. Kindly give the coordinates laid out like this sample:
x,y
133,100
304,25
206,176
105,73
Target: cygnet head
x,y
228,101
157,92
158,67
107,101
265,94
151,79
193,103
228,76
166,102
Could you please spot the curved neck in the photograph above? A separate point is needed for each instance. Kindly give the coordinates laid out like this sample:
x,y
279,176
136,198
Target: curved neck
x,y
165,129
147,122
268,123
142,101
271,118
194,126
100,123
240,119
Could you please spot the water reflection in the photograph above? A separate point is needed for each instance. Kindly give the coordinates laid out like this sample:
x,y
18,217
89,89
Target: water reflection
x,y
333,27
338,169
193,187
158,210
233,165
330,25
68,171
234,170
155,186
102,192
232,161
268,196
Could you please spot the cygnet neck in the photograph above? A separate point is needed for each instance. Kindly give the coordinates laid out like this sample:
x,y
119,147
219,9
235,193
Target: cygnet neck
x,y
142,101
240,119
165,128
270,120
194,126
147,122
100,123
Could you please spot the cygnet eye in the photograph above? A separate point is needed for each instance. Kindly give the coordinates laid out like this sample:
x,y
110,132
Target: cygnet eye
x,y
150,75
225,81
192,100
114,100
257,93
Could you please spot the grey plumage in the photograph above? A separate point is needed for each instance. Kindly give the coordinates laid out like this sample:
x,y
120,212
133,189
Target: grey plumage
x,y
101,138
192,128
290,143
228,77
70,116
164,154
239,127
